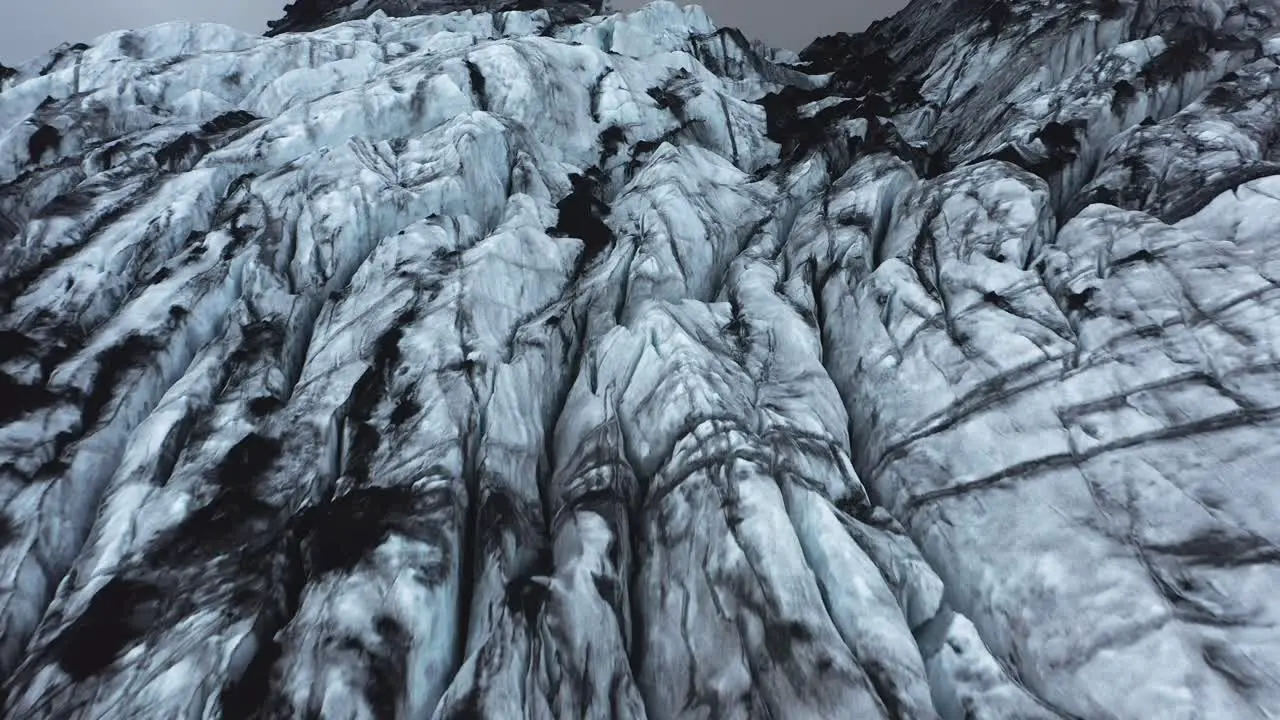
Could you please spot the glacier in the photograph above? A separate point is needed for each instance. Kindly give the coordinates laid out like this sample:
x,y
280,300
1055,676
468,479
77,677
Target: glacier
x,y
435,359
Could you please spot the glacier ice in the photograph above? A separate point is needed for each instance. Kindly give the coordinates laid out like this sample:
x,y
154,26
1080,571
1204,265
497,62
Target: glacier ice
x,y
518,359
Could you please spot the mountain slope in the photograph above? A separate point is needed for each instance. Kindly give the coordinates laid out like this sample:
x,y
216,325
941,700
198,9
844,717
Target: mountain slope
x,y
528,364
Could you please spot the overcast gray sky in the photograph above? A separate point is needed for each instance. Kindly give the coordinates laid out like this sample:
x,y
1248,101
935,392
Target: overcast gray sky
x,y
30,27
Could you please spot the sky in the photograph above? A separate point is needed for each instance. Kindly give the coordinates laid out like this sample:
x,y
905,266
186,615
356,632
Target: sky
x,y
30,27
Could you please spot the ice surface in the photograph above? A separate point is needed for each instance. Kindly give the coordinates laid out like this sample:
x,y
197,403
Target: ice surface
x,y
456,360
